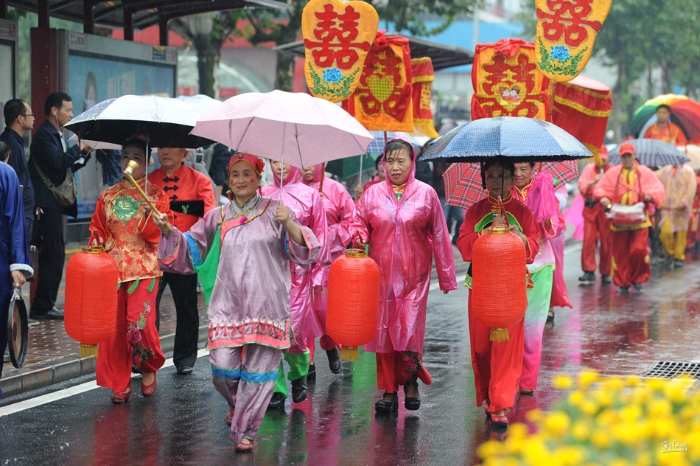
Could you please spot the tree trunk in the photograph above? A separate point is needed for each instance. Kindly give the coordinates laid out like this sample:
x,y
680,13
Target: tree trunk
x,y
284,71
207,63
617,97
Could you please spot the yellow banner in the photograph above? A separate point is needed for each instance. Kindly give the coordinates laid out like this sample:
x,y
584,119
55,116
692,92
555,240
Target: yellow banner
x,y
566,33
337,37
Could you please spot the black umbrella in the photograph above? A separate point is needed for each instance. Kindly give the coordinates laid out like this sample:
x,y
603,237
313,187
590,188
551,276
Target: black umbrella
x,y
652,153
166,121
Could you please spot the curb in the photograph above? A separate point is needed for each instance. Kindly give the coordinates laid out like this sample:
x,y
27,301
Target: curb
x,y
53,371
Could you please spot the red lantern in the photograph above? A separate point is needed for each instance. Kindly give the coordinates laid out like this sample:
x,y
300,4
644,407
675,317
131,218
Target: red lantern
x,y
91,298
499,284
353,302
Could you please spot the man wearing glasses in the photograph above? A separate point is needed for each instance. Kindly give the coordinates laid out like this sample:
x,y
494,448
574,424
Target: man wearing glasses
x,y
18,120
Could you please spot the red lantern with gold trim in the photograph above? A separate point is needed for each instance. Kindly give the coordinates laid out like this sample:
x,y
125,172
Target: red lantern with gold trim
x,y
499,284
353,302
91,298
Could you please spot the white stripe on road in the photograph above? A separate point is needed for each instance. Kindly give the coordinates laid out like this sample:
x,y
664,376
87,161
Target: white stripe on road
x,y
66,392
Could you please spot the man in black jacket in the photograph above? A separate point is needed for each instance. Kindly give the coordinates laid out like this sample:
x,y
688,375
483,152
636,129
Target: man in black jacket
x,y
19,119
48,153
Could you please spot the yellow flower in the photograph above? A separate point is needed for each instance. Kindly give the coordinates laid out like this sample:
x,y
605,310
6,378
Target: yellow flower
x,y
632,380
657,384
581,431
576,398
589,407
630,413
659,408
534,416
517,431
601,439
604,397
568,456
619,462
489,449
562,382
557,423
536,453
586,378
614,384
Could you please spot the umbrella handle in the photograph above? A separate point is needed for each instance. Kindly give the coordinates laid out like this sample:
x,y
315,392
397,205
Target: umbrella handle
x,y
127,174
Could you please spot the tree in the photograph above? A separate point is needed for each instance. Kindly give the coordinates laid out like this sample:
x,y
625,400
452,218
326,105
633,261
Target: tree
x,y
283,27
207,33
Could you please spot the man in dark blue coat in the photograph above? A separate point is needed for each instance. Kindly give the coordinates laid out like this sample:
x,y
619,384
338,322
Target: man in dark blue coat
x,y
48,153
19,119
14,261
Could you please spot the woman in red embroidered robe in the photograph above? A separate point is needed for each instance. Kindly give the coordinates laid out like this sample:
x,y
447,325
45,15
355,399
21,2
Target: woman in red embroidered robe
x,y
121,223
497,366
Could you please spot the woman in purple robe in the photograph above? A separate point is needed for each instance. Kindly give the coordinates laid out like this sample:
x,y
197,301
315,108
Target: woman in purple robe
x,y
243,265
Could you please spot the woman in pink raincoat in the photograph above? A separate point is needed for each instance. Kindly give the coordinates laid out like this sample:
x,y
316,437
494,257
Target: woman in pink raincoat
x,y
403,222
307,205
339,208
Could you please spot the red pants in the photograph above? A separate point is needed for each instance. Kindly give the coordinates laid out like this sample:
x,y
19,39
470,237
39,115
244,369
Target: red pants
x,y
630,257
397,368
497,365
114,355
596,226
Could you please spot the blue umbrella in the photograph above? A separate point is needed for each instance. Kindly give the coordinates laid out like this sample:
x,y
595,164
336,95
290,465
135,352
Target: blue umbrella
x,y
652,153
522,139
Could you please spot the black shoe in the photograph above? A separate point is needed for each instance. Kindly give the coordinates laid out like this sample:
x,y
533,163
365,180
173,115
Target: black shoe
x,y
605,279
411,403
334,360
638,287
386,407
550,316
311,376
135,369
185,370
677,264
52,314
623,290
299,390
277,401
587,278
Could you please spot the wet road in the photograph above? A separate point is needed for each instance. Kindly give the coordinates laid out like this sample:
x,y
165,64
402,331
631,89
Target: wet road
x,y
184,422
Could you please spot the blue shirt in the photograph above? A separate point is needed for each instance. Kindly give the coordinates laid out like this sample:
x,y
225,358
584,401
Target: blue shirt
x,y
18,161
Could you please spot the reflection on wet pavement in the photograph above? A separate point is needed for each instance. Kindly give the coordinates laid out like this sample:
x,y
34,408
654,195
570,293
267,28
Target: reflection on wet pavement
x,y
336,425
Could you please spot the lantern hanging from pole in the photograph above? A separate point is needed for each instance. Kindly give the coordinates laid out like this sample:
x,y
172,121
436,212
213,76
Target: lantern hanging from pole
x,y
91,298
353,302
499,284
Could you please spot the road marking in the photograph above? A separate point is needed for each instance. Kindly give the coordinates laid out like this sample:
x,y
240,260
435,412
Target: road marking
x,y
66,392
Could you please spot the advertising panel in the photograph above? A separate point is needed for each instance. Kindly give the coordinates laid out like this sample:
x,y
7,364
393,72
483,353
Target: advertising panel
x,y
101,68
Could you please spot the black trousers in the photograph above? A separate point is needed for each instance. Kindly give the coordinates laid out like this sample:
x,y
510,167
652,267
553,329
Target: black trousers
x,y
184,290
48,237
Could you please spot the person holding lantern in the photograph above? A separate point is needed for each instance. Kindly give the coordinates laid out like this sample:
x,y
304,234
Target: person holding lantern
x,y
308,209
497,365
402,221
536,191
121,224
339,208
243,264
629,184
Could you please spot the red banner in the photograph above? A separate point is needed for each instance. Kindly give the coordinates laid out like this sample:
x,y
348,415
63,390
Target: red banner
x,y
423,77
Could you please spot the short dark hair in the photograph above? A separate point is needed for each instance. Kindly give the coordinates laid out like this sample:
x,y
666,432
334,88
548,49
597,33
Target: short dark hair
x,y
396,145
141,144
500,161
664,106
55,99
4,151
13,109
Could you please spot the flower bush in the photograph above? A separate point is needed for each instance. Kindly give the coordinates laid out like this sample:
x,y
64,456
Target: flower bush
x,y
607,421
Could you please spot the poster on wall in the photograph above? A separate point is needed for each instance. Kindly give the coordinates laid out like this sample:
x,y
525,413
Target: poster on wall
x,y
100,69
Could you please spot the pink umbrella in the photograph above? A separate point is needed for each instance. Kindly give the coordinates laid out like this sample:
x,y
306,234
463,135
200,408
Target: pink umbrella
x,y
293,128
